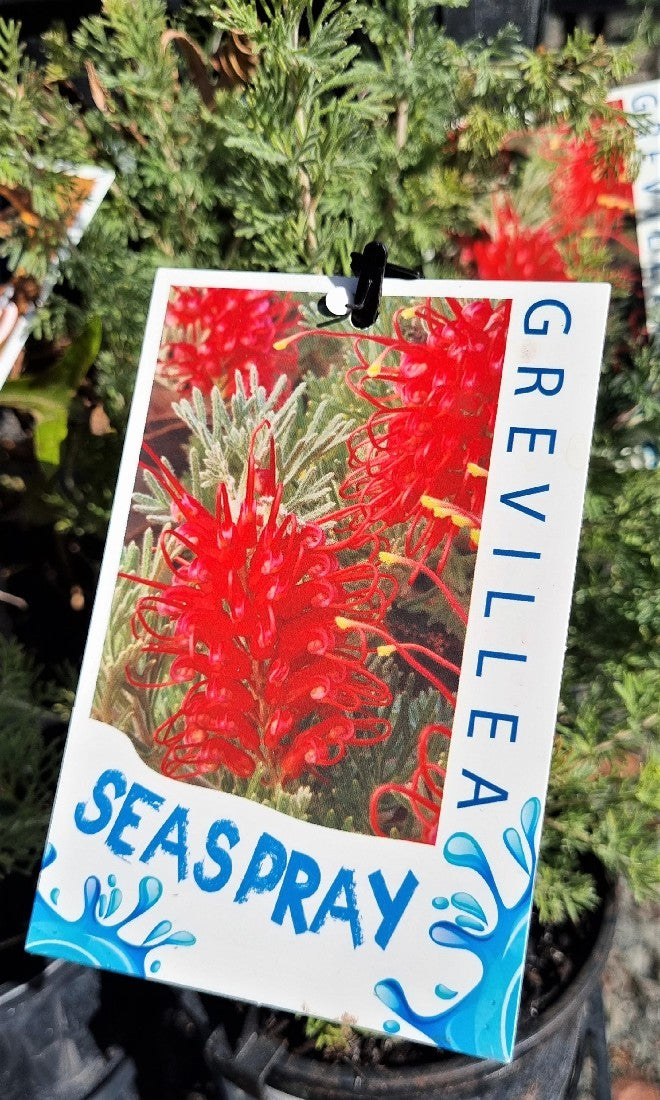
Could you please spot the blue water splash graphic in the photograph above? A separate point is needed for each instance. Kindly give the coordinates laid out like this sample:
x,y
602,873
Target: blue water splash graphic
x,y
90,939
483,1022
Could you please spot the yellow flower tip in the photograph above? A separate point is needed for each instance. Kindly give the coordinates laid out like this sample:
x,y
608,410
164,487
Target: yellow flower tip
x,y
408,314
440,508
443,510
373,371
476,471
614,202
387,558
281,345
342,623
385,650
474,535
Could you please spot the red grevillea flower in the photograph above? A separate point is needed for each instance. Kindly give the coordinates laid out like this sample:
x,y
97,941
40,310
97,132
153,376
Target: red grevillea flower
x,y
249,620
515,251
589,192
422,793
220,331
422,456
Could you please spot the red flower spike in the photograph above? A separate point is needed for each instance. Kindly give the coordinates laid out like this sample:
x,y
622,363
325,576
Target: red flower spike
x,y
422,456
237,330
586,187
422,793
515,251
589,197
249,618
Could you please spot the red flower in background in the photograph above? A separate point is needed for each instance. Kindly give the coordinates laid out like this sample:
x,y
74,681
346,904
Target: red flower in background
x,y
515,251
422,456
250,620
589,197
588,192
218,331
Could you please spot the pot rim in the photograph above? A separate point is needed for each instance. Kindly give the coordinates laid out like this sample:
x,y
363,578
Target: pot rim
x,y
460,1069
55,971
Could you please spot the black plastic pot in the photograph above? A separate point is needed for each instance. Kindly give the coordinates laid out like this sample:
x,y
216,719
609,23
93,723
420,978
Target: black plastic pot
x,y
47,1050
546,1062
487,17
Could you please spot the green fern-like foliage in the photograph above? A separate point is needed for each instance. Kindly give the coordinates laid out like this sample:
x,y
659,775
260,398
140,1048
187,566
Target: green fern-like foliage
x,y
302,442
349,125
295,803
116,700
302,127
29,760
603,794
38,134
146,122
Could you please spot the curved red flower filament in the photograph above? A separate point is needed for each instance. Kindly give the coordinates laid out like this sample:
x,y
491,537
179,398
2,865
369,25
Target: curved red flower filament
x,y
590,194
433,389
422,794
512,250
419,567
587,187
405,650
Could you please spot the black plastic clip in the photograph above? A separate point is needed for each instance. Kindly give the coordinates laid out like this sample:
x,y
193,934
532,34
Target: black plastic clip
x,y
371,267
242,1068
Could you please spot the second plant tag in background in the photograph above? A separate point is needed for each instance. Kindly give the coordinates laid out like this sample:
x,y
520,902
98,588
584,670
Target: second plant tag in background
x,y
642,100
317,705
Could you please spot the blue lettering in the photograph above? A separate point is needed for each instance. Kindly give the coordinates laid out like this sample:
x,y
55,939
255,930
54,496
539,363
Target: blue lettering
x,y
539,374
643,101
516,553
495,717
265,868
127,819
344,884
499,794
212,883
391,908
533,434
497,656
491,596
543,330
293,890
176,823
511,500
110,778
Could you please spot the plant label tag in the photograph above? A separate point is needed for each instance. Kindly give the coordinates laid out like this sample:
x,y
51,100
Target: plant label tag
x,y
310,746
643,100
19,295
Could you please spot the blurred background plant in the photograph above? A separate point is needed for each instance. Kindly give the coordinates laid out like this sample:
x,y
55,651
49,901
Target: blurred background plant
x,y
285,137
31,727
